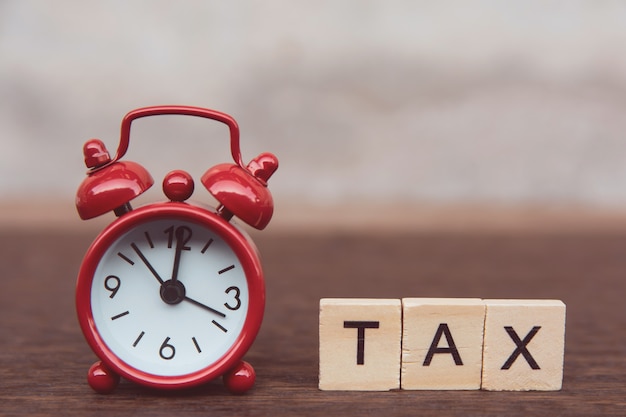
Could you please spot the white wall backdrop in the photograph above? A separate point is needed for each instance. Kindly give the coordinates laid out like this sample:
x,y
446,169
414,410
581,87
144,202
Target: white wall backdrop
x,y
412,101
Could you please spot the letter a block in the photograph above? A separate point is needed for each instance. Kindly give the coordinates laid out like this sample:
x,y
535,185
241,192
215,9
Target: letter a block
x,y
360,344
442,343
524,344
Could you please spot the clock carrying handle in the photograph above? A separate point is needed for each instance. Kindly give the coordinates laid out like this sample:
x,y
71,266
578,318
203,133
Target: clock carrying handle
x,y
185,111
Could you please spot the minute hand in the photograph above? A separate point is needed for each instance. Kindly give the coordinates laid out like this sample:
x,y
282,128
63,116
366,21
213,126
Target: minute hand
x,y
181,238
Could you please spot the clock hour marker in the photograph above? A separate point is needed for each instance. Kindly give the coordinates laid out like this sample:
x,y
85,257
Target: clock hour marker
x,y
195,342
149,240
219,326
138,338
120,315
206,246
126,258
228,268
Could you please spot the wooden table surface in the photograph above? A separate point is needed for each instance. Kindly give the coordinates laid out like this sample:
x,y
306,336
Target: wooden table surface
x,y
44,358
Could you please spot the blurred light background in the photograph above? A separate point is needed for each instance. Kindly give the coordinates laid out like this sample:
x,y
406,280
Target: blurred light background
x,y
398,102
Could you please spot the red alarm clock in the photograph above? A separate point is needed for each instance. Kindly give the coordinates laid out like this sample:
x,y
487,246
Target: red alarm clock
x,y
171,295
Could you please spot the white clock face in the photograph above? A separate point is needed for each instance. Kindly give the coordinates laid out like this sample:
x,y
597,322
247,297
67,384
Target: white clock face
x,y
169,297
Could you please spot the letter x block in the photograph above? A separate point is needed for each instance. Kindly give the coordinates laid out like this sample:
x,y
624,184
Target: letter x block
x,y
442,343
360,342
524,344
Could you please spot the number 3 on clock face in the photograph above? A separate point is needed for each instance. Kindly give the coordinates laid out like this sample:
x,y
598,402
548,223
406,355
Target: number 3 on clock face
x,y
169,297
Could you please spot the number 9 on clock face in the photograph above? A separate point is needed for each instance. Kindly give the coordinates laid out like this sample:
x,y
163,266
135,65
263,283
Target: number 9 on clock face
x,y
169,299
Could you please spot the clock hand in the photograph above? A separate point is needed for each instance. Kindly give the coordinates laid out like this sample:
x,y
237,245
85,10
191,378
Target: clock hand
x,y
212,310
145,261
181,239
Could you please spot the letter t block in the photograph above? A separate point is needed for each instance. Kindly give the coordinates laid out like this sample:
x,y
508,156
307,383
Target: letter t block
x,y
360,344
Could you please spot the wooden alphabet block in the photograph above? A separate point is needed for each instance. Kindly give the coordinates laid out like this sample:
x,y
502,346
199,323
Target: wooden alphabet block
x,y
524,344
360,344
442,343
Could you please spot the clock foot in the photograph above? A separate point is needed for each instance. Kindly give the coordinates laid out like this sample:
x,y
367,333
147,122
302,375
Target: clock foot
x,y
101,379
240,379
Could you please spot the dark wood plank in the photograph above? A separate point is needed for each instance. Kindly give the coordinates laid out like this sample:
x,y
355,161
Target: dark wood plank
x,y
44,359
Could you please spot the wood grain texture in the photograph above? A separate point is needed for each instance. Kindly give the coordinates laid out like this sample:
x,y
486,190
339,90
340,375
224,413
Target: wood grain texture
x,y
44,358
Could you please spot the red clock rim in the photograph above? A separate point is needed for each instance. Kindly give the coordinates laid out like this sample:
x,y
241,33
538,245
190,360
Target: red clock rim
x,y
241,245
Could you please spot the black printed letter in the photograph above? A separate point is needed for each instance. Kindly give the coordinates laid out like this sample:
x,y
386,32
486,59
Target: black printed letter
x,y
451,349
521,347
360,326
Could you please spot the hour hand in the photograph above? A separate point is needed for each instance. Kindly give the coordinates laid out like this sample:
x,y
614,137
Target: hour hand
x,y
145,261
